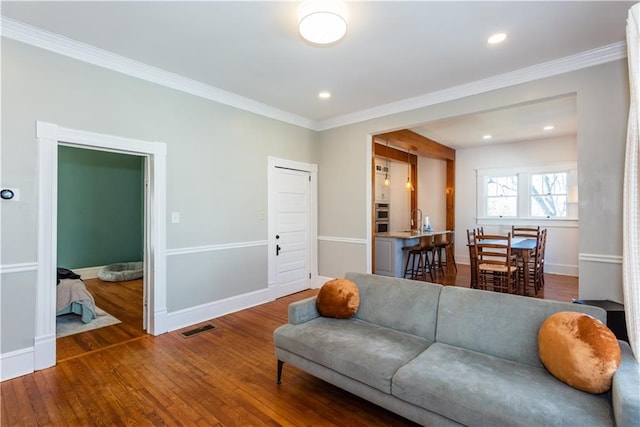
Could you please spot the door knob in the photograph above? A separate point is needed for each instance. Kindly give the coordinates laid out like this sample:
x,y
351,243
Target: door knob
x,y
278,250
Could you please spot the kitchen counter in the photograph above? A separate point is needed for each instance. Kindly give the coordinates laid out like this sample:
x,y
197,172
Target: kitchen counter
x,y
413,234
390,258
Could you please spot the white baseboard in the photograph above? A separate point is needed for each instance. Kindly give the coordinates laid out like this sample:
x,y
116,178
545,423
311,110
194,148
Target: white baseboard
x,y
16,363
88,272
201,313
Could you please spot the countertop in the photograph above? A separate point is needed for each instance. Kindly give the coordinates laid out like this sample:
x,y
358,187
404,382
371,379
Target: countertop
x,y
413,234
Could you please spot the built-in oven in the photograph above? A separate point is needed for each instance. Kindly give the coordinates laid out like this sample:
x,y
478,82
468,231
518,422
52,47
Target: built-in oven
x,y
383,212
382,217
382,226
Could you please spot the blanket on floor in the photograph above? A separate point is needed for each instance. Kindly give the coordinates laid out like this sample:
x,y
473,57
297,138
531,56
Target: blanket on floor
x,y
73,297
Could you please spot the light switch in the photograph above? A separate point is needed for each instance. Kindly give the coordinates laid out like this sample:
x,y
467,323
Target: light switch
x,y
175,217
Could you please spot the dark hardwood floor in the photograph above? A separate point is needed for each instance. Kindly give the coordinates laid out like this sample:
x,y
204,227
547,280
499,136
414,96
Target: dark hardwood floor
x,y
222,377
123,300
556,288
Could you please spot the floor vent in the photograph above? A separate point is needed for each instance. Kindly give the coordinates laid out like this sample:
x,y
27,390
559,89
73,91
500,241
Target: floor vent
x,y
192,332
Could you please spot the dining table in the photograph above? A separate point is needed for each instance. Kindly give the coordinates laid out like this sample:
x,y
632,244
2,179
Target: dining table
x,y
522,247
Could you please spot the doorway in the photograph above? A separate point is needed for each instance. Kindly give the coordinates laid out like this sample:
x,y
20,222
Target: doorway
x,y
292,194
49,137
100,222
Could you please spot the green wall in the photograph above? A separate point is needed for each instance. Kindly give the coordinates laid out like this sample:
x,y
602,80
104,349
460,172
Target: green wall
x,y
100,208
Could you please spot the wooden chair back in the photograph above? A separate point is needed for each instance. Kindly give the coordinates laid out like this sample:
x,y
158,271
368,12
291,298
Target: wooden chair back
x,y
526,232
495,266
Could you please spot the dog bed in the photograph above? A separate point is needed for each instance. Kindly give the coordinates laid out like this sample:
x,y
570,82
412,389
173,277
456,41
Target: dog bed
x,y
121,272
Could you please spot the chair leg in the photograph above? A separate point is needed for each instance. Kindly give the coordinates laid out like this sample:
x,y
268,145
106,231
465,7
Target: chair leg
x,y
406,266
430,264
279,378
451,256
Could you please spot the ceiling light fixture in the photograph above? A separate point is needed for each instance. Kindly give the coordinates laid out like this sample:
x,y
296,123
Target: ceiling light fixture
x,y
322,21
324,95
550,127
486,137
409,184
497,38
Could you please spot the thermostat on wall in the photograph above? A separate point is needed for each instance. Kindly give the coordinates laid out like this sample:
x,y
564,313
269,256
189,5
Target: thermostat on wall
x,y
8,194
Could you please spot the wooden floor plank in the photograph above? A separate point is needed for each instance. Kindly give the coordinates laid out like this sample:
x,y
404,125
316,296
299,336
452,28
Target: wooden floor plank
x,y
221,377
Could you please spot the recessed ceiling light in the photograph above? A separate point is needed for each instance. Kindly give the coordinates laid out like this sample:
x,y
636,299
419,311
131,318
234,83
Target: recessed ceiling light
x,y
486,137
324,95
497,38
550,127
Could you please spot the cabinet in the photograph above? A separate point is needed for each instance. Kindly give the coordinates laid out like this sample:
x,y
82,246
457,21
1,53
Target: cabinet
x,y
385,256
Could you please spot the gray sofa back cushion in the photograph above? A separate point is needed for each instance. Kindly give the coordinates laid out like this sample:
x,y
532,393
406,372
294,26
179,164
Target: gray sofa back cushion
x,y
404,305
500,325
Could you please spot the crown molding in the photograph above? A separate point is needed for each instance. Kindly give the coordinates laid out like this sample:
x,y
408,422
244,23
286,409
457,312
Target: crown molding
x,y
83,52
586,59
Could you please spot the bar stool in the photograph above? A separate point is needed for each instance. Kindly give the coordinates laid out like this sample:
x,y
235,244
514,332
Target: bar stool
x,y
421,252
444,241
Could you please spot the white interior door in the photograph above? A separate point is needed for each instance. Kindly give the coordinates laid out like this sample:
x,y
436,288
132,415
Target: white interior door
x,y
292,230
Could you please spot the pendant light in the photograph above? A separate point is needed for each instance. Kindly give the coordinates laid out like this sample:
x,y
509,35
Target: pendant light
x,y
409,184
386,172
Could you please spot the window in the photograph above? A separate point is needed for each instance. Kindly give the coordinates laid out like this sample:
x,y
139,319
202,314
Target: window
x,y
502,195
548,192
528,194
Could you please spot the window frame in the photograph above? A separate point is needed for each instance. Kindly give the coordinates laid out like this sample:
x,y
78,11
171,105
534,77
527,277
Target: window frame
x,y
524,197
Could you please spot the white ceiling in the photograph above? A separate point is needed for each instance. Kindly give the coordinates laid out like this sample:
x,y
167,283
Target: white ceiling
x,y
393,51
514,123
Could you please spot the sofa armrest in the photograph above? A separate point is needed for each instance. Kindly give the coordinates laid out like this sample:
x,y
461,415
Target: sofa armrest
x,y
302,311
625,390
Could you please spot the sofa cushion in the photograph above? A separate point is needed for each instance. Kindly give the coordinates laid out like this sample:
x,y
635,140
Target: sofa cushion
x,y
579,350
501,325
477,389
405,305
338,298
362,351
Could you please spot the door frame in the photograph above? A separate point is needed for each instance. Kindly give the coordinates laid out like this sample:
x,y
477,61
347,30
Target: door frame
x,y
49,136
273,164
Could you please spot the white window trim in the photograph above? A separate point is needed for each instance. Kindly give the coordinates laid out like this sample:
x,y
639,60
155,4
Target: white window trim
x,y
524,196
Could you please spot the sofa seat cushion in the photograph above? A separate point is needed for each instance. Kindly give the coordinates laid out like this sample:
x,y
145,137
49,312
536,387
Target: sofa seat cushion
x,y
360,350
477,389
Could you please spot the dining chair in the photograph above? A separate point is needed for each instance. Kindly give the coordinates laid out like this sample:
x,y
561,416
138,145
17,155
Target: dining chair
x,y
471,244
541,250
496,268
526,232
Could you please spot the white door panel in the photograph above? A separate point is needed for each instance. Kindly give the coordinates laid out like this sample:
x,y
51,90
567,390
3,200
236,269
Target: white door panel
x,y
292,228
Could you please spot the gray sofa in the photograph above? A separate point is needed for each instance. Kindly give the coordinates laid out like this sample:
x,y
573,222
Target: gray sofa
x,y
450,356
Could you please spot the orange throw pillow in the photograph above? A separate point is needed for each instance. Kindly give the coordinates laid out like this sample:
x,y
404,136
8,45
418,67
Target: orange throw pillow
x,y
338,298
579,350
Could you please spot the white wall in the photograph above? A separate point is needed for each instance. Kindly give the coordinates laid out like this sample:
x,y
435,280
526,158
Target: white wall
x,y
562,241
602,94
216,176
432,182
400,197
